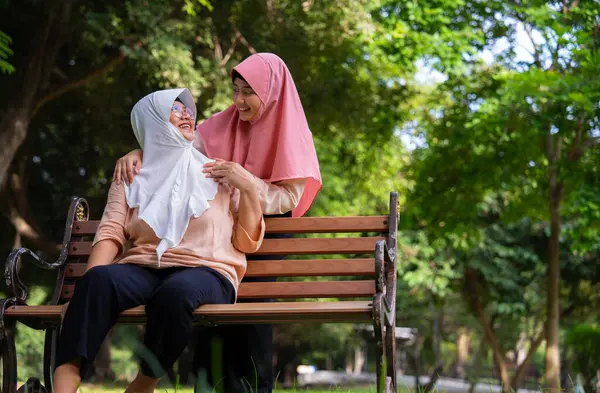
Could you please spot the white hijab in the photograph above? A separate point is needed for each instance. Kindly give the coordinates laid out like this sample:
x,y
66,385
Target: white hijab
x,y
170,188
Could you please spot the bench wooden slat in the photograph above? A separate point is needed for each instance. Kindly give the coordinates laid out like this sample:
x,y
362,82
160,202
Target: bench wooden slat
x,y
287,268
344,245
290,290
274,312
289,225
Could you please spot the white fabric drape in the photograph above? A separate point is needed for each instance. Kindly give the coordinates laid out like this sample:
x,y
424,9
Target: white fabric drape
x,y
170,188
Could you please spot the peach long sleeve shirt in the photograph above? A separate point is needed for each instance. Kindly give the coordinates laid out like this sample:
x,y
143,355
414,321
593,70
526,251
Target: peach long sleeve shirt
x,y
216,239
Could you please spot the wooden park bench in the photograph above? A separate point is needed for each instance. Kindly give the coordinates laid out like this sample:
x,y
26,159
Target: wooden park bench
x,y
357,288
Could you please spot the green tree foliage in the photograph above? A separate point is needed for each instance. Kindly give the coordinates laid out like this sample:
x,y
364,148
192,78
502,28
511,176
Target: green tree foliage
x,y
526,130
584,342
5,53
476,192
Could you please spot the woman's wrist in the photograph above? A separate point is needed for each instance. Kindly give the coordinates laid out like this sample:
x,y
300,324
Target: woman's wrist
x,y
248,187
248,184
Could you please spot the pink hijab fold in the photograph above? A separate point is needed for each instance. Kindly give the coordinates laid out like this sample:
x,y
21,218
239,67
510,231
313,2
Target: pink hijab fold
x,y
276,144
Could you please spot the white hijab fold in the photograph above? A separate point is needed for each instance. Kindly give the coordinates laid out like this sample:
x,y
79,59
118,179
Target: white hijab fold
x,y
170,189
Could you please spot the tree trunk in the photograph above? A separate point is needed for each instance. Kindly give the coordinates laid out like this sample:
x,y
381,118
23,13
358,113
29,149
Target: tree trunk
x,y
359,359
288,375
552,376
40,58
13,130
462,352
524,365
417,359
350,361
471,279
490,337
328,363
473,376
436,343
553,318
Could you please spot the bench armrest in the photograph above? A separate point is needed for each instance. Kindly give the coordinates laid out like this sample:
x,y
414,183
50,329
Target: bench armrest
x,y
16,287
78,211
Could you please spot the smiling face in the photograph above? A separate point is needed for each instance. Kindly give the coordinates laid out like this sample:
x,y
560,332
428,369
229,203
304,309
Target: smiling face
x,y
183,118
245,99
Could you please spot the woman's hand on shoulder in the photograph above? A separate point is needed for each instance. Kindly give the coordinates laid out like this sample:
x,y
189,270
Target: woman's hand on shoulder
x,y
231,173
128,166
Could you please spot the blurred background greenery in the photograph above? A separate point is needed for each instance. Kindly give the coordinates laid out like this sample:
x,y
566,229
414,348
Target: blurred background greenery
x,y
484,115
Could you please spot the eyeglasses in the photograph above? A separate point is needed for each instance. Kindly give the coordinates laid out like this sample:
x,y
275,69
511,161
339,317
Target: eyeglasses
x,y
180,110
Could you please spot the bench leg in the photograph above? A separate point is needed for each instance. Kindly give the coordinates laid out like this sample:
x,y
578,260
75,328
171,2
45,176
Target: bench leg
x,y
8,357
390,355
8,351
380,338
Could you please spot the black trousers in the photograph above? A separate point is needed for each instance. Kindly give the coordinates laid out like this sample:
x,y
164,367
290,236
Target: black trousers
x,y
247,350
170,295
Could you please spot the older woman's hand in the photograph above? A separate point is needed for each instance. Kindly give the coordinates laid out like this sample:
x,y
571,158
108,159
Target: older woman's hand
x,y
128,166
230,173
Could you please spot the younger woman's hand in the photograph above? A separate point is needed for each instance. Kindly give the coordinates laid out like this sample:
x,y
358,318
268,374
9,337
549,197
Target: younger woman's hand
x,y
128,166
231,173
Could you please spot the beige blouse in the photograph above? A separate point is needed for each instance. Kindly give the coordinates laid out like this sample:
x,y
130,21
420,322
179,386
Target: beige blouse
x,y
280,197
216,239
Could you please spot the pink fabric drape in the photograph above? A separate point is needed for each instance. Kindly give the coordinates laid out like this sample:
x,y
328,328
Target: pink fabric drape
x,y
277,144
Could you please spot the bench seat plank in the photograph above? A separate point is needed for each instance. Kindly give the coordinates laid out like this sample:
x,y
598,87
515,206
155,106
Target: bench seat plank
x,y
284,268
273,312
340,245
292,289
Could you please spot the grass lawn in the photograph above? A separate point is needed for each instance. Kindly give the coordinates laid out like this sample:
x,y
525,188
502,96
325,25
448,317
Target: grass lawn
x,y
118,388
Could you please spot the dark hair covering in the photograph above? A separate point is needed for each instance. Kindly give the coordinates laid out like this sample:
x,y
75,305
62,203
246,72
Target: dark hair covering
x,y
236,75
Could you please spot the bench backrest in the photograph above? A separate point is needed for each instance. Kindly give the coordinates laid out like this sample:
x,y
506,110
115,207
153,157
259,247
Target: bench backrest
x,y
350,241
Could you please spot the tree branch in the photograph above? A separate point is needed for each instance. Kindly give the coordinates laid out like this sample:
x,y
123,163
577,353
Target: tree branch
x,y
549,146
435,375
471,280
536,49
34,71
18,186
558,150
577,152
553,147
84,80
23,228
244,41
229,53
590,142
577,143
218,49
522,368
19,211
579,131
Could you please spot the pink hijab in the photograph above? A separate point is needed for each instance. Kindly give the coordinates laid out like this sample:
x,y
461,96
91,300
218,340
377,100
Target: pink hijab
x,y
277,143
